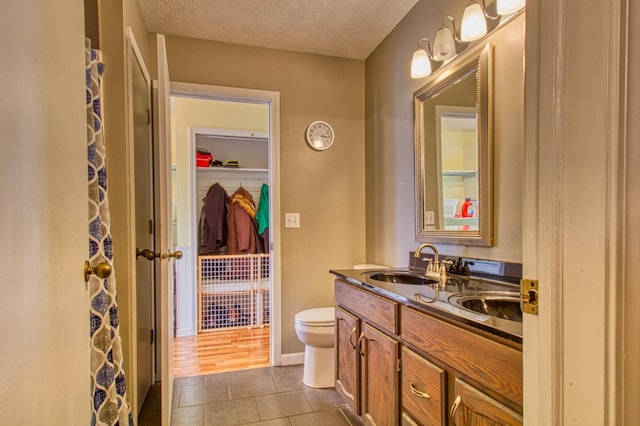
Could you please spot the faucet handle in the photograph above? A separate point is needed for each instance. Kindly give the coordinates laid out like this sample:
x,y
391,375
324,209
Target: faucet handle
x,y
430,266
465,268
454,267
443,268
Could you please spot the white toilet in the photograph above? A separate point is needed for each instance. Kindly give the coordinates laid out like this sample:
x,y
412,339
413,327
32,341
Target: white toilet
x,y
316,329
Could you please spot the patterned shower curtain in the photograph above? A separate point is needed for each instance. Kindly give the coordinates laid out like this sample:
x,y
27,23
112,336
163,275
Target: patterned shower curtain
x,y
108,385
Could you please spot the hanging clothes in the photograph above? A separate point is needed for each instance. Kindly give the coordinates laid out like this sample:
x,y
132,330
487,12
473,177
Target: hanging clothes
x,y
109,402
213,229
262,217
242,224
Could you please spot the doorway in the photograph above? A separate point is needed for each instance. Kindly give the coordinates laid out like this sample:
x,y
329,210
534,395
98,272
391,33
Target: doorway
x,y
233,327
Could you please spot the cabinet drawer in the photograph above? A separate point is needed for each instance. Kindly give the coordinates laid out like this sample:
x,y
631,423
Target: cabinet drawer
x,y
376,309
472,407
423,390
496,366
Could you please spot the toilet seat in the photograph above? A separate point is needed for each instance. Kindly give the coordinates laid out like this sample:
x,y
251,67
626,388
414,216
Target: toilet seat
x,y
317,317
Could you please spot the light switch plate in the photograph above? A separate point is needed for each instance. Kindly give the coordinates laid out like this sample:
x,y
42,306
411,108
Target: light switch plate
x,y
292,220
430,218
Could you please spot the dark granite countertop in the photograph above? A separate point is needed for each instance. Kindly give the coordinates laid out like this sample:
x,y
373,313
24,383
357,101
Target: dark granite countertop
x,y
408,295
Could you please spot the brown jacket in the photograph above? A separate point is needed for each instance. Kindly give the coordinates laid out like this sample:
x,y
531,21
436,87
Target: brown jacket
x,y
241,222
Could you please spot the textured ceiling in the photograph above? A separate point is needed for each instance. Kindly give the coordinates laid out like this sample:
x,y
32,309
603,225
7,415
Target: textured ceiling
x,y
343,28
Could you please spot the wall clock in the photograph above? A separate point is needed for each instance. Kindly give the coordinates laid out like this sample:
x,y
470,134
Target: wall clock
x,y
320,135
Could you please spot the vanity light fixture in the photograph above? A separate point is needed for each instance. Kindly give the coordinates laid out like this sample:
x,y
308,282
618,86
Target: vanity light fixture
x,y
474,23
473,27
508,7
421,62
444,46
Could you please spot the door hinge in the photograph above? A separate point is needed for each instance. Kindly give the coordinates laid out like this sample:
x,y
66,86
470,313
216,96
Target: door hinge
x,y
150,226
148,116
153,336
529,296
399,364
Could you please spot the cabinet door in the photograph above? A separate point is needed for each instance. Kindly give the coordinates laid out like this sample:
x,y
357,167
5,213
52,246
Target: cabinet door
x,y
474,408
423,391
347,358
379,375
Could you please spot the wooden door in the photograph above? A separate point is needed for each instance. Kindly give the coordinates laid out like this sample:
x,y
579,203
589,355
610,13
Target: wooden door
x,y
574,231
140,102
347,358
164,280
379,378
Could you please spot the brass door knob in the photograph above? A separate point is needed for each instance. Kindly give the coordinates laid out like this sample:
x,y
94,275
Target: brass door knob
x,y
101,270
151,255
147,254
175,254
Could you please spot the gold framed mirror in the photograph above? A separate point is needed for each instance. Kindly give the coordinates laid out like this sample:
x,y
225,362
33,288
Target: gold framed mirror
x,y
453,150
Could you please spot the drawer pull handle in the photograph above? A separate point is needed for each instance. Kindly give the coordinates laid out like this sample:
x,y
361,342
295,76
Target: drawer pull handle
x,y
417,392
359,344
454,408
353,332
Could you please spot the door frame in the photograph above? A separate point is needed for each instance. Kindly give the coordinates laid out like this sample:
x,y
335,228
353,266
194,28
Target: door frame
x,y
272,99
133,55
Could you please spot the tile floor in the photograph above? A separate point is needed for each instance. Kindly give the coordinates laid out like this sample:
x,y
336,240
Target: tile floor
x,y
270,396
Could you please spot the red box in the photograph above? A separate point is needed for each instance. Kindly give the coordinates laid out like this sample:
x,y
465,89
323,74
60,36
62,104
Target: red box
x,y
203,159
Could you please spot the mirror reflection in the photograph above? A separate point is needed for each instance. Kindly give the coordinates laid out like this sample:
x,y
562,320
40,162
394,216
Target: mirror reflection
x,y
452,147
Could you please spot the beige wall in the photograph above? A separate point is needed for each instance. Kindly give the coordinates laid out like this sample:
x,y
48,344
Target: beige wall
x,y
44,302
326,188
389,136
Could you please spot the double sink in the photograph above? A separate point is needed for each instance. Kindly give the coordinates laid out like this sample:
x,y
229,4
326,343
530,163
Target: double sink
x,y
502,304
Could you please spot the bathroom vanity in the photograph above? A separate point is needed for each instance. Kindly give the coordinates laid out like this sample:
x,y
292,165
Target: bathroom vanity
x,y
412,354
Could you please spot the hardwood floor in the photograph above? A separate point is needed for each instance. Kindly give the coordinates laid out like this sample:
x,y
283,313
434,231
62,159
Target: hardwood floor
x,y
220,351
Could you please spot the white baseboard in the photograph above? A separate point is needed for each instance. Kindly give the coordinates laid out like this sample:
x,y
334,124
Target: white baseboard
x,y
292,359
181,332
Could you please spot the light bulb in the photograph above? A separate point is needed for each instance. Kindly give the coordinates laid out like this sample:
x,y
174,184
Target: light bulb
x,y
474,24
420,64
507,7
444,47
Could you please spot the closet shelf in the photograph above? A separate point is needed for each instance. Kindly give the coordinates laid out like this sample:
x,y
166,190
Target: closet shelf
x,y
464,173
460,221
229,170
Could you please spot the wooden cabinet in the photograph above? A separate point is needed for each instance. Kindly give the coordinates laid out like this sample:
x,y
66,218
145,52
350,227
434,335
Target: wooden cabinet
x,y
366,357
494,368
398,365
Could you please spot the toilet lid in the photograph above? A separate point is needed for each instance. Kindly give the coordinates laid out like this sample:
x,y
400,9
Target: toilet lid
x,y
318,316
